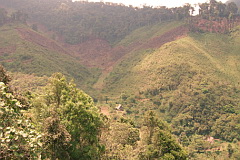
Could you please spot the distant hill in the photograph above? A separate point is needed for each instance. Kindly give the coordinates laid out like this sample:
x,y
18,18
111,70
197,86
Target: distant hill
x,y
213,55
80,21
27,51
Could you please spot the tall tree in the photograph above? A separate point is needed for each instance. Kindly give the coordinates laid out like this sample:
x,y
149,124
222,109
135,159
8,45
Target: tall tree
x,y
78,119
3,16
161,144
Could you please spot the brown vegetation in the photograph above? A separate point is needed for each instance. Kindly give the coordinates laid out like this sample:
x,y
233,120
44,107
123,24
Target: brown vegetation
x,y
7,50
104,110
169,36
40,40
99,53
220,25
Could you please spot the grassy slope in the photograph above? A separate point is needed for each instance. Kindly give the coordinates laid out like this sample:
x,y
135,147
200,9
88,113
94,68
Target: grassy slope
x,y
137,38
30,58
144,33
212,55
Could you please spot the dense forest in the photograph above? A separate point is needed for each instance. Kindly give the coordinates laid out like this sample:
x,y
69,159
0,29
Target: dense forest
x,y
169,89
80,21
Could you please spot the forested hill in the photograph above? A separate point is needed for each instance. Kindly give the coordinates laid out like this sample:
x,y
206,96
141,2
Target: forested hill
x,y
25,51
80,21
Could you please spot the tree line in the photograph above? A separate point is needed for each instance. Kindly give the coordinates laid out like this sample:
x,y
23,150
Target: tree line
x,y
215,16
80,21
215,9
17,16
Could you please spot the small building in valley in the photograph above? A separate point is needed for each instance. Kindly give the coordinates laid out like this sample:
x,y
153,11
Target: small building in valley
x,y
119,107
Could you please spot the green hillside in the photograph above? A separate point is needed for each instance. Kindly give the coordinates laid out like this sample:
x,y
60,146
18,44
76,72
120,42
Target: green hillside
x,y
192,82
30,53
179,74
143,34
216,56
166,83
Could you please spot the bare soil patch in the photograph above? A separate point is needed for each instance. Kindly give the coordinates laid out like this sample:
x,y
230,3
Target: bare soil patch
x,y
40,40
7,50
105,110
169,36
99,53
219,25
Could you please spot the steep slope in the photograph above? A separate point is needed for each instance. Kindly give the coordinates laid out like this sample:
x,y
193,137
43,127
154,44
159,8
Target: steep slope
x,y
24,50
192,82
99,53
216,56
143,38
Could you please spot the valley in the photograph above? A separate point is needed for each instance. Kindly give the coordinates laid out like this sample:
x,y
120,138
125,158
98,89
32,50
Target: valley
x,y
175,75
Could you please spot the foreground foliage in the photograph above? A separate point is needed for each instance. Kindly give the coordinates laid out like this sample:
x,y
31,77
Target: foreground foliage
x,y
62,123
71,123
19,138
153,140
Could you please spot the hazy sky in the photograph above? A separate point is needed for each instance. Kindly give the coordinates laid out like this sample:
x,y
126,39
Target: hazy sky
x,y
168,3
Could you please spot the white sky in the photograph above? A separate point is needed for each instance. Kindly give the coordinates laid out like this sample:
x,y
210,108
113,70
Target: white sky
x,y
168,3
